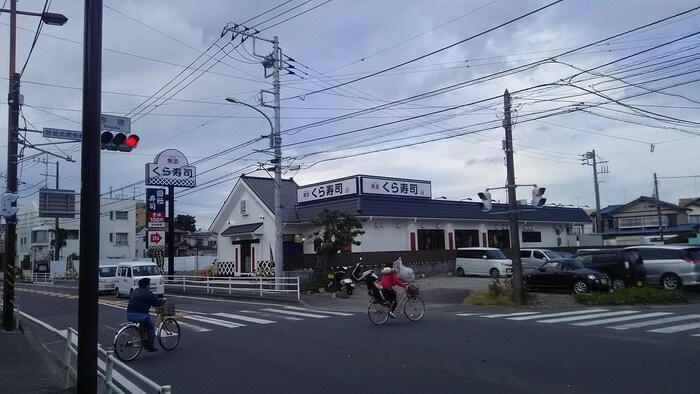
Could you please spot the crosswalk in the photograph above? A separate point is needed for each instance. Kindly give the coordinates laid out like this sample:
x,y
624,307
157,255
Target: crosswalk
x,y
661,322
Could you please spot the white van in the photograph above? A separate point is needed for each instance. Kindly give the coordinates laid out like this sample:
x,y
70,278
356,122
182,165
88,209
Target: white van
x,y
107,278
483,261
129,273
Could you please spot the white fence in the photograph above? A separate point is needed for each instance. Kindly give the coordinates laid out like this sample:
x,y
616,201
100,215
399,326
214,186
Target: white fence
x,y
116,382
258,286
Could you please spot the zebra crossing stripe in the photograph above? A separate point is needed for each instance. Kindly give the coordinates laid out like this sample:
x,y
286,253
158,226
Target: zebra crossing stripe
x,y
586,317
655,322
296,308
509,314
624,318
193,327
468,314
216,322
284,312
260,313
682,327
244,318
538,316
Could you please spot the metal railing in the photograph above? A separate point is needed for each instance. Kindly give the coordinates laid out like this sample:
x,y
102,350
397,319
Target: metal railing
x,y
259,286
115,382
40,278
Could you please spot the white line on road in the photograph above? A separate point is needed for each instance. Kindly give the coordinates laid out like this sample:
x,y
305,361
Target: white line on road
x,y
510,314
682,327
655,322
282,311
193,327
624,318
468,314
292,318
586,317
296,308
244,318
216,322
557,314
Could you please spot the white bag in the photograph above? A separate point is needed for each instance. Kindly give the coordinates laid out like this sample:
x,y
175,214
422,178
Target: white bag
x,y
404,273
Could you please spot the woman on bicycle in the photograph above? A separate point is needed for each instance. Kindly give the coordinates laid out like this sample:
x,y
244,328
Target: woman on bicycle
x,y
140,301
389,279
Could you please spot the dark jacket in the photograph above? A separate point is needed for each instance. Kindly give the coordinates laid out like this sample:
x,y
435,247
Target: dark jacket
x,y
141,300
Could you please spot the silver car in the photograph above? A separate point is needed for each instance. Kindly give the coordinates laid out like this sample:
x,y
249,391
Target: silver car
x,y
671,266
531,259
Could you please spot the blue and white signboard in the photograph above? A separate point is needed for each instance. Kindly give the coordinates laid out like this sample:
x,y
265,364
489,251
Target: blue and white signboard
x,y
115,124
395,187
320,191
170,169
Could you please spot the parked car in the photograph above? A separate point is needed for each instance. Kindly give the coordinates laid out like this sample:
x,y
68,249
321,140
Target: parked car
x,y
107,278
625,267
129,274
531,259
483,261
671,266
566,274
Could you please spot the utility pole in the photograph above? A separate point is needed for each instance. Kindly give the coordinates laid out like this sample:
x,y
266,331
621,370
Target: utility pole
x,y
518,293
658,208
589,158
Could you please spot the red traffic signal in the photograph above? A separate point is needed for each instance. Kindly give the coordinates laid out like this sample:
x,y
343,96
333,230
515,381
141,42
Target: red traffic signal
x,y
118,141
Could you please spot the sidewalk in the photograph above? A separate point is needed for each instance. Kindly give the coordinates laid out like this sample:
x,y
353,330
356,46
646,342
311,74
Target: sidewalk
x,y
27,367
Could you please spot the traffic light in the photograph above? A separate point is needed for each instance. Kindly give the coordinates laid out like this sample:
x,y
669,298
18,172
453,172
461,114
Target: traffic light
x,y
485,201
537,199
119,141
8,205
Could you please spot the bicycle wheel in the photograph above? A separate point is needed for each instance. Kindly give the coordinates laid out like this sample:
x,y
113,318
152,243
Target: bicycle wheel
x,y
414,308
169,333
127,343
378,313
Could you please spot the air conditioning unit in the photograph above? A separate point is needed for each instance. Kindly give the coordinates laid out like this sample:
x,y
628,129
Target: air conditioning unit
x,y
244,207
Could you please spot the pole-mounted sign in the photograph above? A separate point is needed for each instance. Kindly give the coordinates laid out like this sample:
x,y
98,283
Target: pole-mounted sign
x,y
170,169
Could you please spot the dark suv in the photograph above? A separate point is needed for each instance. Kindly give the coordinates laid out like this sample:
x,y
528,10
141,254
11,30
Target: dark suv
x,y
624,266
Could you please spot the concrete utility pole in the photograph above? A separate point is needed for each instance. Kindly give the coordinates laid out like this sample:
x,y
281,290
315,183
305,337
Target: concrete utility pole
x,y
598,215
518,288
658,208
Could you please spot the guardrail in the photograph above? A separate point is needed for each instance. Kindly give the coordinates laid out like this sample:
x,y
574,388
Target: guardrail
x,y
259,286
40,278
115,382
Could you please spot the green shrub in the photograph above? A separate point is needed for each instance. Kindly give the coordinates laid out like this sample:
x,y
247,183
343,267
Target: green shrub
x,y
632,296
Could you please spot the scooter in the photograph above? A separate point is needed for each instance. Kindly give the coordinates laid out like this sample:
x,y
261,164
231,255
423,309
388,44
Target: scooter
x,y
340,282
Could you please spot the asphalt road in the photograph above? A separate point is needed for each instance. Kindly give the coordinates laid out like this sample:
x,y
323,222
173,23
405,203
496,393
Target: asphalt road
x,y
231,346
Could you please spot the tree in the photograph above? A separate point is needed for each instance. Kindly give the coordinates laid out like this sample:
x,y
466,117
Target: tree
x,y
339,231
60,236
185,222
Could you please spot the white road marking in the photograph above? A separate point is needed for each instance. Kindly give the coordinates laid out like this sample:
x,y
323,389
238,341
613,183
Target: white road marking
x,y
624,318
468,314
586,317
557,314
655,322
510,314
216,322
682,327
244,318
296,308
270,314
193,327
282,311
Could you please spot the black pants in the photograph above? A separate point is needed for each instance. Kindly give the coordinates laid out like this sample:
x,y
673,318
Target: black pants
x,y
390,295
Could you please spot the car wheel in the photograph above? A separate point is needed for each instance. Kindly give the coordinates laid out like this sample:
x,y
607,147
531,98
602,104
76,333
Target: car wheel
x,y
618,283
494,273
671,282
460,272
116,291
580,287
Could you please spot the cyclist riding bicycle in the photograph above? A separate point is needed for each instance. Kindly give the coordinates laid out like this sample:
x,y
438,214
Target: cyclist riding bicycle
x,y
140,301
389,279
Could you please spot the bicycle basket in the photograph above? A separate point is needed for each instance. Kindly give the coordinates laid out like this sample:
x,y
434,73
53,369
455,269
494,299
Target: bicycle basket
x,y
412,290
166,310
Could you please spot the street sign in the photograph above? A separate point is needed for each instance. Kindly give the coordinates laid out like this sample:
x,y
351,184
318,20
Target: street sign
x,y
74,135
155,208
170,169
156,239
115,124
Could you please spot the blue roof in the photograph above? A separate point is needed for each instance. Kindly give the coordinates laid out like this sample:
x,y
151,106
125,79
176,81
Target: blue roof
x,y
264,188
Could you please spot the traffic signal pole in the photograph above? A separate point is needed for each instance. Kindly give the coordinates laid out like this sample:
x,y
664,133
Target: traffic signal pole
x,y
517,280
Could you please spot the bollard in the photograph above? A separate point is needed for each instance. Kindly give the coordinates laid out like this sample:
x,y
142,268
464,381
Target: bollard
x,y
109,367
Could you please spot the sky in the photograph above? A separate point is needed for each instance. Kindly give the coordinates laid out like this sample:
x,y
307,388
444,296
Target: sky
x,y
401,89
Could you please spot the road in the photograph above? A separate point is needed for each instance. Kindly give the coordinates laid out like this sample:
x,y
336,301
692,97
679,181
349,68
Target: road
x,y
231,346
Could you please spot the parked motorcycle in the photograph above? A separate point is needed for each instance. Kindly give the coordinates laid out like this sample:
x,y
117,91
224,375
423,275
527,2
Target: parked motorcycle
x,y
340,282
360,274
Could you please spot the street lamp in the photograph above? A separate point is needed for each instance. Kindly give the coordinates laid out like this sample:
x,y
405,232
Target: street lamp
x,y
13,103
275,142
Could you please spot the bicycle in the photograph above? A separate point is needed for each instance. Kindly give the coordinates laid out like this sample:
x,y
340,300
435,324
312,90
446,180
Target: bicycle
x,y
411,304
131,338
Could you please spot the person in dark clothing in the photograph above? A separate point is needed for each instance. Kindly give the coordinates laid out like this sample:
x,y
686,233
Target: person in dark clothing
x,y
140,302
389,279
